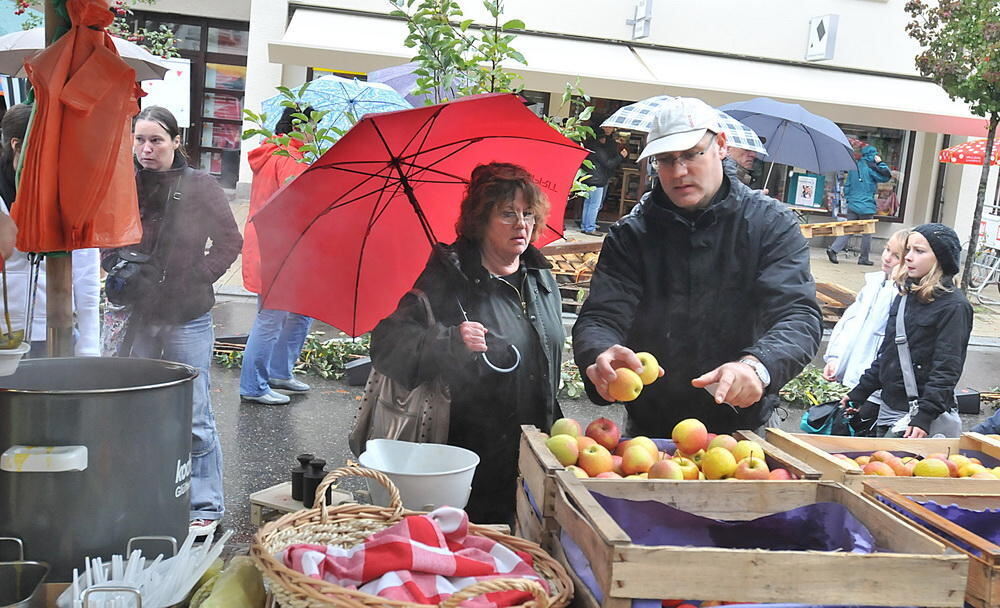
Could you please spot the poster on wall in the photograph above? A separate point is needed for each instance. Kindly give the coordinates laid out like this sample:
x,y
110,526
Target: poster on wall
x,y
807,190
173,92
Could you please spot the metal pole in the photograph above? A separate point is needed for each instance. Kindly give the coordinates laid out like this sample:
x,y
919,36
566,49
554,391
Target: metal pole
x,y
58,267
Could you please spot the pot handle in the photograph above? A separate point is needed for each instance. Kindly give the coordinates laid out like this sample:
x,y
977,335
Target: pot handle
x,y
85,596
166,539
18,541
44,459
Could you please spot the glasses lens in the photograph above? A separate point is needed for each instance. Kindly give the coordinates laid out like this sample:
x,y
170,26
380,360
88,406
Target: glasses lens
x,y
512,217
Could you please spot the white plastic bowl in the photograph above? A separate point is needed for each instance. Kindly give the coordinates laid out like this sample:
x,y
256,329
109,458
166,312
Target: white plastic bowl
x,y
427,475
10,357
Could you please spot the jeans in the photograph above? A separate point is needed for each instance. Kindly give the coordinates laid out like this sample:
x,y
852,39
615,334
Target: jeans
x,y
990,426
273,347
866,239
591,205
190,343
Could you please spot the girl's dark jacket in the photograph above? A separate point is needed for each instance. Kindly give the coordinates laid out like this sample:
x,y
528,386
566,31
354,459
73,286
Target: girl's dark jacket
x,y
487,407
192,266
938,335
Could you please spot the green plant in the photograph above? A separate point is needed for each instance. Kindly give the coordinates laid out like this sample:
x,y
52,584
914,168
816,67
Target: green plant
x,y
304,128
324,358
810,387
575,127
570,380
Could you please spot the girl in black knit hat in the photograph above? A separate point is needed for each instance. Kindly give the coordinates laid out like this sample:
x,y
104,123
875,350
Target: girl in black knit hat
x,y
938,323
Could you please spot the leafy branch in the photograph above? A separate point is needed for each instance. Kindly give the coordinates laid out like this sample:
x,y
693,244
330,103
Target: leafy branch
x,y
305,127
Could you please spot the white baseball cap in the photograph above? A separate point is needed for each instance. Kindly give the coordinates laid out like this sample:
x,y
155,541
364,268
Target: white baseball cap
x,y
679,125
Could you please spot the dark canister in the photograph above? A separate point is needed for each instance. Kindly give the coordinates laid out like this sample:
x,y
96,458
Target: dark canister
x,y
311,480
297,473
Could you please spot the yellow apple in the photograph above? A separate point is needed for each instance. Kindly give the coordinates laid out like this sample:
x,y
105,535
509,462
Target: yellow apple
x,y
566,426
564,448
650,368
747,449
690,435
718,463
931,467
637,459
626,386
575,470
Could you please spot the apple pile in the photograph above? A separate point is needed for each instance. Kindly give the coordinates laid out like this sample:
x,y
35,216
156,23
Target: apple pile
x,y
627,384
883,462
599,452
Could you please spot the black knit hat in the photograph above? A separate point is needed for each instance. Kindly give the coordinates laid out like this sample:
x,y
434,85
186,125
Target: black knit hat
x,y
945,244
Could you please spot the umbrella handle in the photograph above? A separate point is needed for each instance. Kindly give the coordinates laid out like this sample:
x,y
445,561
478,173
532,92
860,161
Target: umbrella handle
x,y
504,370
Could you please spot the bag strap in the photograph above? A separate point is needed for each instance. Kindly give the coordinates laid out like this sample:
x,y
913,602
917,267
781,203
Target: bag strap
x,y
170,213
428,311
903,347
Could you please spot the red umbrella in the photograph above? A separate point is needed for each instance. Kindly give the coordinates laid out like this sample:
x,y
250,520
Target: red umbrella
x,y
970,153
345,240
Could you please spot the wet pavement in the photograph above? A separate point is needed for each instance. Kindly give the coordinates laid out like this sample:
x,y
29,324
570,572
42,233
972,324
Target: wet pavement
x,y
260,442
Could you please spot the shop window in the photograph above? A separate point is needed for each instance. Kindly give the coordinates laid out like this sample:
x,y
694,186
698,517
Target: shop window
x,y
188,34
227,40
222,76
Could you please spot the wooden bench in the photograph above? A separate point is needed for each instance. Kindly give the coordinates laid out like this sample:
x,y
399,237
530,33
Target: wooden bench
x,y
838,228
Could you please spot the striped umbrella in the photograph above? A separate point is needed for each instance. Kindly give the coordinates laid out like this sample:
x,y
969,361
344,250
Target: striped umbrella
x,y
639,116
970,153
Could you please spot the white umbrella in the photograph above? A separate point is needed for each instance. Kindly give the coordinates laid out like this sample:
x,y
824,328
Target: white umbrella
x,y
18,46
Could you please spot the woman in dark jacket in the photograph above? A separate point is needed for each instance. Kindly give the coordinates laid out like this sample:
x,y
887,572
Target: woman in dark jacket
x,y
181,211
938,323
504,285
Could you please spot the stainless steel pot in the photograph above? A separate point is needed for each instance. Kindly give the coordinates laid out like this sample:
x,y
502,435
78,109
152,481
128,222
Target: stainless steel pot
x,y
126,423
21,581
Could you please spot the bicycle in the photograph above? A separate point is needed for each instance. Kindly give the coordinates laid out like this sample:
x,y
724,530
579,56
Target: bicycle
x,y
985,271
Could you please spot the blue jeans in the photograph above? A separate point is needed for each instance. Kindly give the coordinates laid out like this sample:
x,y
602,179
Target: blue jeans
x,y
190,343
591,206
273,347
866,239
990,426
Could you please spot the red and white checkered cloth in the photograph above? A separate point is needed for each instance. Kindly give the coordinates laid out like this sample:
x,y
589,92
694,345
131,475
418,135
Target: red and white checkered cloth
x,y
423,559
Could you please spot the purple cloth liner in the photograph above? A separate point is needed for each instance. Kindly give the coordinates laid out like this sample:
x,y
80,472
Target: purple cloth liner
x,y
984,523
823,526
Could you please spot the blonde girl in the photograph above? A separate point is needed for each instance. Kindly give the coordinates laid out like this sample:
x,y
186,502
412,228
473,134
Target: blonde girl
x,y
938,323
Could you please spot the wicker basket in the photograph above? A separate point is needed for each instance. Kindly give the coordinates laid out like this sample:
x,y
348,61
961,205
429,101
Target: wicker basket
x,y
350,524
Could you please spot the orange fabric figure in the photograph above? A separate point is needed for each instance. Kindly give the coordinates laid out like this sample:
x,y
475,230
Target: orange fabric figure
x,y
77,182
270,173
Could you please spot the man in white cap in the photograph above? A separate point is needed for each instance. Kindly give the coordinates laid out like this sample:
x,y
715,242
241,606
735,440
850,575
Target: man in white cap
x,y
710,277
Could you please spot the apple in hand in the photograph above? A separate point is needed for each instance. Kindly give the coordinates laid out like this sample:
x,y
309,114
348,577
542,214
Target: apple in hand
x,y
650,368
566,426
718,463
605,432
752,468
564,448
690,435
595,459
666,469
626,386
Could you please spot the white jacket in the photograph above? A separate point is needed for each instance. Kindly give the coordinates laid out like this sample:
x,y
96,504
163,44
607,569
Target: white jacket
x,y
86,296
856,338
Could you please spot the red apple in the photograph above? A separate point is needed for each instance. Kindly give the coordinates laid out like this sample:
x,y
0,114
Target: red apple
x,y
566,426
620,448
780,474
665,469
605,432
637,459
595,459
952,467
690,435
752,468
878,467
882,456
898,467
617,464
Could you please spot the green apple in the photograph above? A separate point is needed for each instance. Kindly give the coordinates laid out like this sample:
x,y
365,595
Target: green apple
x,y
564,448
566,426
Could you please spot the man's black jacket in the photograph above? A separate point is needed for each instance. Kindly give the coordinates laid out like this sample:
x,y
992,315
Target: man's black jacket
x,y
697,294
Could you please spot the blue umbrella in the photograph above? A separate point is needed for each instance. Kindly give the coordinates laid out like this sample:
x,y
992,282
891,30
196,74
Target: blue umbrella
x,y
639,117
339,98
794,135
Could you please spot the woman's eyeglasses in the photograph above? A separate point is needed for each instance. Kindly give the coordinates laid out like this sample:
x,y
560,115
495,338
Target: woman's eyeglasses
x,y
512,217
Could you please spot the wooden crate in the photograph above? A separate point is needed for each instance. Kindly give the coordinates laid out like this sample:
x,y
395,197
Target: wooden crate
x,y
537,467
838,228
983,585
911,568
817,451
833,301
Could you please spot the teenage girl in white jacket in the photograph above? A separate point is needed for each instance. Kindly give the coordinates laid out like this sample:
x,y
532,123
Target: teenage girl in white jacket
x,y
857,336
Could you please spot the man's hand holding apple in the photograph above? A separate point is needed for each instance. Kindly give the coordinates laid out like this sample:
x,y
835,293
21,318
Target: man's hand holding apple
x,y
738,384
602,372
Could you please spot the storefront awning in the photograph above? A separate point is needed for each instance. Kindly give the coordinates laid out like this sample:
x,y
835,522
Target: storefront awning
x,y
362,43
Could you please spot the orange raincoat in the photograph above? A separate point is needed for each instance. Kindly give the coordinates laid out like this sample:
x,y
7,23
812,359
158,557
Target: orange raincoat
x,y
77,182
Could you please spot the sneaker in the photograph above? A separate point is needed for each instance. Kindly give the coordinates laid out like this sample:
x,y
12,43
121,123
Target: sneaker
x,y
866,262
832,255
203,527
268,398
591,233
288,384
